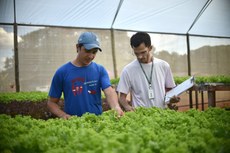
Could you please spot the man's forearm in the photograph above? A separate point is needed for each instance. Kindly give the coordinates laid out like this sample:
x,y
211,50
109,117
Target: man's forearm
x,y
55,109
112,99
125,104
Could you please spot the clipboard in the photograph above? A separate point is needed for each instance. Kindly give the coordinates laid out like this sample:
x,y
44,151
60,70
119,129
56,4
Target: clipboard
x,y
179,89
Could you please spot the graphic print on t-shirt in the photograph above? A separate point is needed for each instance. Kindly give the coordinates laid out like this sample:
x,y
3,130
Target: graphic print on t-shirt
x,y
91,86
77,85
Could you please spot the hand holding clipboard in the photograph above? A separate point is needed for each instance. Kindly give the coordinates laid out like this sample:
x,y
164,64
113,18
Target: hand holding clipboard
x,y
179,89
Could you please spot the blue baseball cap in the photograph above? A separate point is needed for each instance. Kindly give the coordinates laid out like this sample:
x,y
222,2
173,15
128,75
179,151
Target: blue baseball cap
x,y
89,40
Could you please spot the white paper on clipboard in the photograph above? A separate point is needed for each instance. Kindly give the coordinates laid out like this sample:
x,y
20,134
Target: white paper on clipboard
x,y
179,89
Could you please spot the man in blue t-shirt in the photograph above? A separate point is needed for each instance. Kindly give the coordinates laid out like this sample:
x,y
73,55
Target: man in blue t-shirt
x,y
81,82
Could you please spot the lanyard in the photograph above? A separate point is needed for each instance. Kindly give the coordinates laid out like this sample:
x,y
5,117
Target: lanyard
x,y
150,78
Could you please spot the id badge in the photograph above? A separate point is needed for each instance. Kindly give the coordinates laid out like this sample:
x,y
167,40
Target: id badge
x,y
151,93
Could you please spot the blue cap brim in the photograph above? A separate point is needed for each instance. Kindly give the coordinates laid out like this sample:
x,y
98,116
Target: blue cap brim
x,y
91,46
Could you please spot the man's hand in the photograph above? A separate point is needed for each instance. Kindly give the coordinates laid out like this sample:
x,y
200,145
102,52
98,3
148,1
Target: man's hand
x,y
53,106
129,108
174,99
171,106
65,116
119,111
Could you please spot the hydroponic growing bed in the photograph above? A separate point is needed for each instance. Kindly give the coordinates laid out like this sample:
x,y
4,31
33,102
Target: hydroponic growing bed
x,y
143,131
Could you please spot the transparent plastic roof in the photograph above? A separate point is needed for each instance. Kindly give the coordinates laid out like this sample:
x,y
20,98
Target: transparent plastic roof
x,y
215,21
170,16
165,16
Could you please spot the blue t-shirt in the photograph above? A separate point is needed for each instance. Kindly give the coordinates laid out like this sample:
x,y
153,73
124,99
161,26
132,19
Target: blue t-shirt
x,y
81,87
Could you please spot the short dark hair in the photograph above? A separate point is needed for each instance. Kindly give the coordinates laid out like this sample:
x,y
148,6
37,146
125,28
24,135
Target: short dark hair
x,y
139,38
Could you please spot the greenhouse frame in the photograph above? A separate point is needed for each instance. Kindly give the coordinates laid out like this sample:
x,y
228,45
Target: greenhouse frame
x,y
37,37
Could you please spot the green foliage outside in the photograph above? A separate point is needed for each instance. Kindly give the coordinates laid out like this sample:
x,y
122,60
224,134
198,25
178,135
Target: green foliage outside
x,y
114,81
198,79
147,130
213,79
